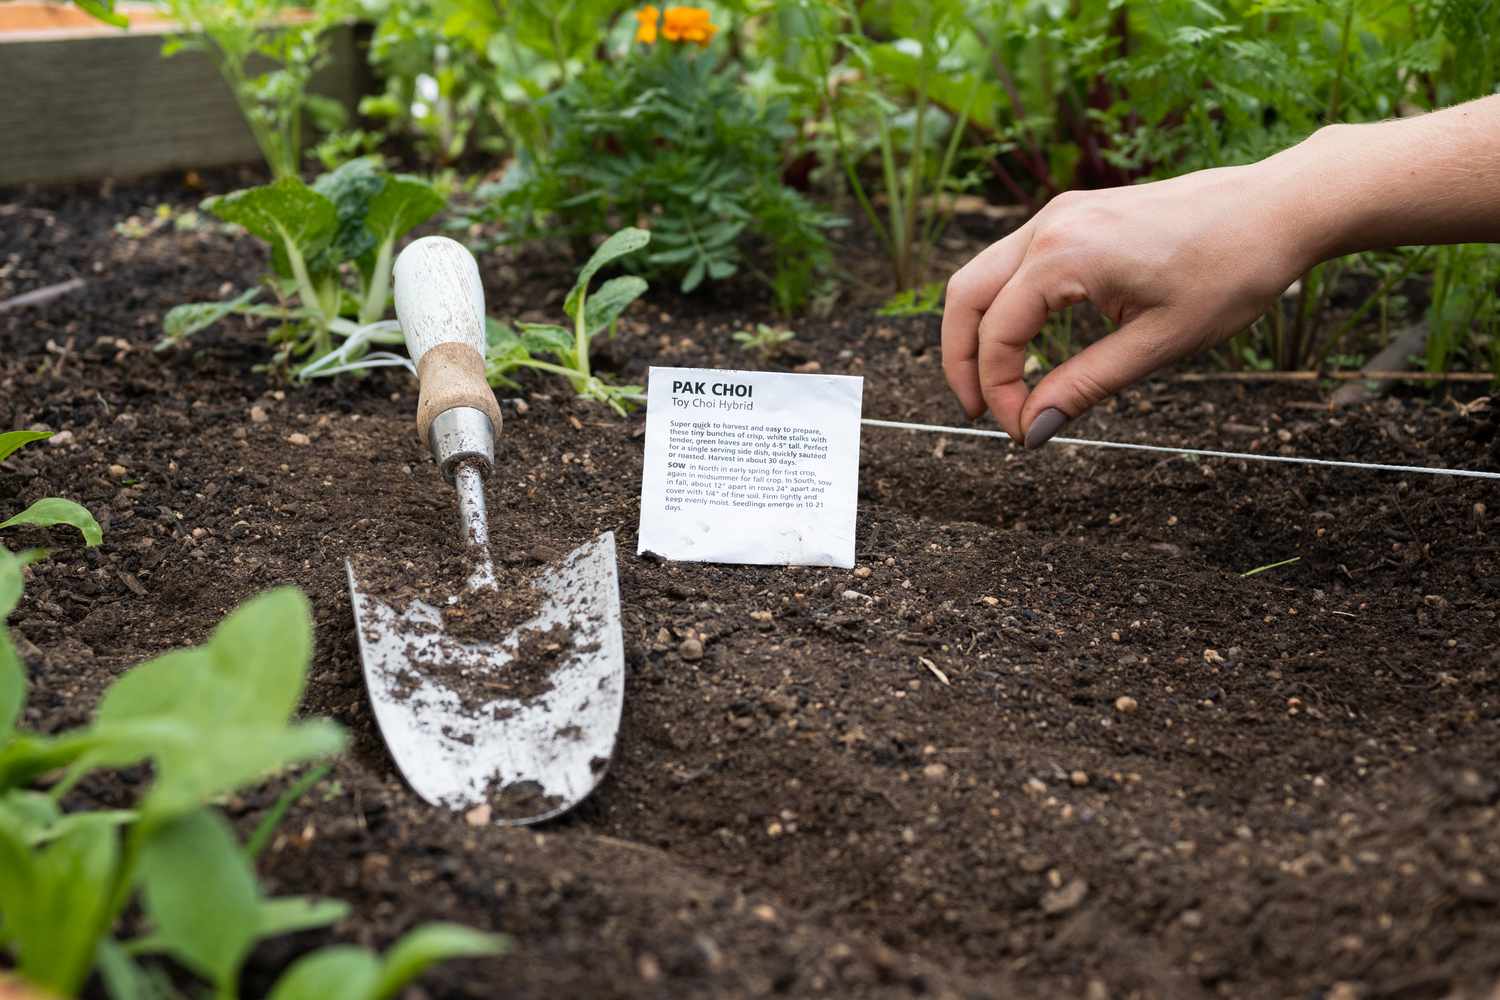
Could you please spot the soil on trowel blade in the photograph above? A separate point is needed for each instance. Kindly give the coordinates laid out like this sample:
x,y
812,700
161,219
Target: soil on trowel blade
x,y
474,615
475,677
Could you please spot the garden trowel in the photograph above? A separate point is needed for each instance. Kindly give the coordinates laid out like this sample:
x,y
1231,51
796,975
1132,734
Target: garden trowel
x,y
514,759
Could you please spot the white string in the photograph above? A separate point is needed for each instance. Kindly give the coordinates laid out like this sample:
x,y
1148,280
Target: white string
x,y
1204,452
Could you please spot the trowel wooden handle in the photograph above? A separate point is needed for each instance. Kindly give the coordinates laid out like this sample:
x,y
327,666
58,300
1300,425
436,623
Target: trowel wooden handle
x,y
440,303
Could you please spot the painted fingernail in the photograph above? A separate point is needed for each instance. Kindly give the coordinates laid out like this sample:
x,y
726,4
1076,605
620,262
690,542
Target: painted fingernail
x,y
1046,424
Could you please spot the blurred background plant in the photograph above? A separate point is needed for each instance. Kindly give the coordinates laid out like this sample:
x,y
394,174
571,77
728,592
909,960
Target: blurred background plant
x,y
741,132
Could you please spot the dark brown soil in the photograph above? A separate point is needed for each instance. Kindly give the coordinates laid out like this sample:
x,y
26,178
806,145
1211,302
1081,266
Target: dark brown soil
x,y
1046,740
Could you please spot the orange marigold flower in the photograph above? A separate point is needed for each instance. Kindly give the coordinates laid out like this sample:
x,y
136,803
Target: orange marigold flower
x,y
647,17
687,24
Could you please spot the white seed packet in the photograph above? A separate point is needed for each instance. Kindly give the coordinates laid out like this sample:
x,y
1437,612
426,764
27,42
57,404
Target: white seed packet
x,y
751,467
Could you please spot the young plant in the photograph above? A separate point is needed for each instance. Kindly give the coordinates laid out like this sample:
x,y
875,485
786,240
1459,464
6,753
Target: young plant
x,y
348,220
49,511
765,342
907,102
591,314
293,41
208,720
671,136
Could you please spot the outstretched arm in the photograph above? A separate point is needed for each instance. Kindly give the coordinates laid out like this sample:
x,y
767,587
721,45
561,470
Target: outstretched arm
x,y
1182,264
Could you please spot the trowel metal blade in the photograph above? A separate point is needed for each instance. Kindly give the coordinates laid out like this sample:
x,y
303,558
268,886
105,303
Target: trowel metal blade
x,y
530,760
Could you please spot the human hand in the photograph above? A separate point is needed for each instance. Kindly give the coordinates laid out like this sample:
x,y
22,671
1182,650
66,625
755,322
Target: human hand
x,y
1177,265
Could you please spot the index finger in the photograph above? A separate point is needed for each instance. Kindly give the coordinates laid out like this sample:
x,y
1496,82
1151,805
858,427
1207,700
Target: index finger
x,y
971,292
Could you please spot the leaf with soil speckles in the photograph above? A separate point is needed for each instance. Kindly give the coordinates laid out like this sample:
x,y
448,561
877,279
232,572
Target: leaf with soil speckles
x,y
54,511
12,441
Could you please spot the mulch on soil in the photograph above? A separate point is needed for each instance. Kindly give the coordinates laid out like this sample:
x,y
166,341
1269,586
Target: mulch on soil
x,y
1044,740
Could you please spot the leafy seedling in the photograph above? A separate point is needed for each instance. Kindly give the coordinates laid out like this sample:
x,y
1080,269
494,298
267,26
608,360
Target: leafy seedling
x,y
346,222
509,350
765,342
209,720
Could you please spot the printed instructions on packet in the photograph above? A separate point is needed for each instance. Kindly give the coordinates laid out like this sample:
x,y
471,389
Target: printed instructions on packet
x,y
751,467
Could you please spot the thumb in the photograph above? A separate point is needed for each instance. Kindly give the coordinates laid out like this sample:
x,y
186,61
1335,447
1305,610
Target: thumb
x,y
1140,347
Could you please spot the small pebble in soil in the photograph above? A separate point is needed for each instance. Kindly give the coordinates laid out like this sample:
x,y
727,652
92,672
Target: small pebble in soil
x,y
60,438
935,771
1125,704
118,471
299,439
691,649
1212,656
1079,778
479,815
862,571
258,415
1065,899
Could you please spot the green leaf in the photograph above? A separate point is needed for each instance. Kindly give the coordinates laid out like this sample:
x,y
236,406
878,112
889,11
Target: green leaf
x,y
403,204
216,717
282,213
695,275
55,510
346,972
351,189
546,338
200,893
428,945
189,318
290,914
626,241
13,441
611,299
123,979
56,902
12,673
104,10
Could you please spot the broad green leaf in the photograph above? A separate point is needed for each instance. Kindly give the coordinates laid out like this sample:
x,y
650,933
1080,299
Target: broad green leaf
x,y
287,211
429,944
55,510
351,188
291,914
626,241
12,441
250,672
345,972
56,929
200,893
197,771
403,204
546,338
28,813
216,717
189,318
611,299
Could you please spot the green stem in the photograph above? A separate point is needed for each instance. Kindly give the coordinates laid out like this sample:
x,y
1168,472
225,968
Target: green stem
x,y
1334,93
846,160
380,283
1378,295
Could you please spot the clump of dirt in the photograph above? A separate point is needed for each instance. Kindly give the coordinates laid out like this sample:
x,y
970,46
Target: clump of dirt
x,y
472,676
521,800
